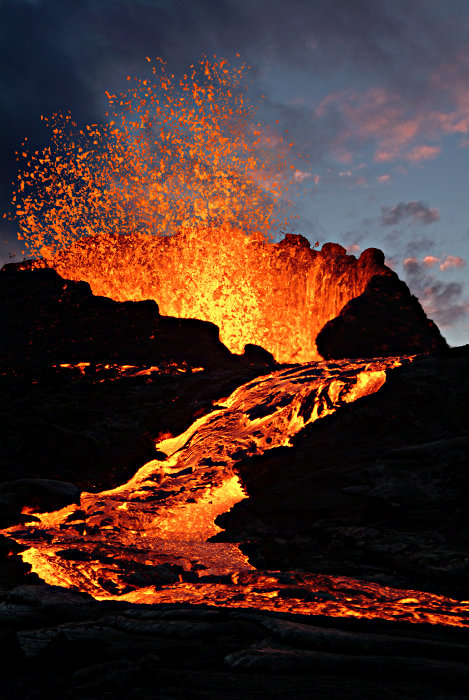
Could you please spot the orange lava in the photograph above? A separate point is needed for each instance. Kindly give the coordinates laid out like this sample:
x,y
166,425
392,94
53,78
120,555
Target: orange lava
x,y
175,153
177,199
111,372
223,276
114,543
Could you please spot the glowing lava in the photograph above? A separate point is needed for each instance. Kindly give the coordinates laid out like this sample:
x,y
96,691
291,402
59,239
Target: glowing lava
x,y
177,199
236,281
175,153
149,539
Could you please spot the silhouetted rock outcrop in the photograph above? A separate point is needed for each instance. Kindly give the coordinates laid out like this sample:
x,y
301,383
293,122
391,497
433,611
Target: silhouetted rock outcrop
x,y
385,320
47,320
287,297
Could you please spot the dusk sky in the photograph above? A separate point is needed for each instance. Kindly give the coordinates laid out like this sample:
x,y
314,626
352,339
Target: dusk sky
x,y
374,92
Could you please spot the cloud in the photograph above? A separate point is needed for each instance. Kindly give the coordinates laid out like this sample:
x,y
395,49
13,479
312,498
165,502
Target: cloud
x,y
418,245
401,126
301,175
452,261
419,153
443,301
417,211
430,260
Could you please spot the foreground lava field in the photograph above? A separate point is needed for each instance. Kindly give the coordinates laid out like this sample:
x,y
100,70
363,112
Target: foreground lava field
x,y
178,519
159,524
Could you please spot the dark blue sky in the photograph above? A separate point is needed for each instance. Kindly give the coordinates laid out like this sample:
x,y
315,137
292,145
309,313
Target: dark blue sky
x,y
375,92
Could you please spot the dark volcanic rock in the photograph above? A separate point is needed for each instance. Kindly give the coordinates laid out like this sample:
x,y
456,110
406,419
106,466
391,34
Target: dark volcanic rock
x,y
36,494
257,355
47,320
377,490
385,320
90,649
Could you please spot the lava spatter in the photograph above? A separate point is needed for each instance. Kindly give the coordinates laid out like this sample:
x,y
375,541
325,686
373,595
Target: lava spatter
x,y
174,154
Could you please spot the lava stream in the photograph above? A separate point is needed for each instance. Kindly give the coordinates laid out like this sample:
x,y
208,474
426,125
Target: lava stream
x,y
148,540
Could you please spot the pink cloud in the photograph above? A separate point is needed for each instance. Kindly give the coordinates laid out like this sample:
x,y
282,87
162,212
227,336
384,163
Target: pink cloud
x,y
452,261
384,178
301,175
396,127
410,262
419,153
443,301
430,260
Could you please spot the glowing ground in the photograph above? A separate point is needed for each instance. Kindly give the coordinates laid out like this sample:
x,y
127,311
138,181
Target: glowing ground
x,y
148,541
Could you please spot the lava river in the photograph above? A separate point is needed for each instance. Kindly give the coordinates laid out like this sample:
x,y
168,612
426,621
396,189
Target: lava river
x,y
149,540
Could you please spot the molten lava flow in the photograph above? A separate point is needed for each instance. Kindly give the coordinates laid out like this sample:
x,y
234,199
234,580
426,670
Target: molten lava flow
x,y
148,540
111,372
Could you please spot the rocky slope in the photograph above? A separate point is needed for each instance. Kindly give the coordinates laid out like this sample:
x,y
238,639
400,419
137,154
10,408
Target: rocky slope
x,y
376,490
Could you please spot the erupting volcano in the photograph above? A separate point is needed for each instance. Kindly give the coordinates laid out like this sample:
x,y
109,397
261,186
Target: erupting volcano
x,y
180,460
177,200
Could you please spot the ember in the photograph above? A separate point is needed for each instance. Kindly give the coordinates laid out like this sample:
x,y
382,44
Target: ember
x,y
175,154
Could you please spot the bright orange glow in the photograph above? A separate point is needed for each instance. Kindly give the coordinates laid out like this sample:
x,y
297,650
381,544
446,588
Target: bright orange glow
x,y
166,513
274,295
175,153
110,372
177,200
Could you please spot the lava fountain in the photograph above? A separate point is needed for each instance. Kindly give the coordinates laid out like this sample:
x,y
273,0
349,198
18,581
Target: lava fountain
x,y
177,199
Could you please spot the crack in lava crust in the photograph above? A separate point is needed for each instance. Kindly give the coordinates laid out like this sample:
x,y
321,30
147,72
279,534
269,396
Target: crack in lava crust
x,y
147,541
